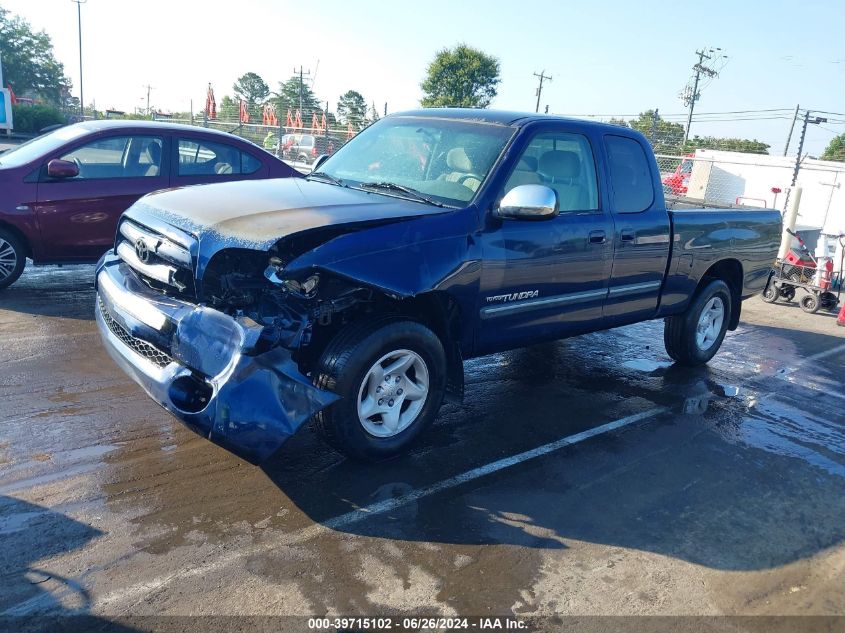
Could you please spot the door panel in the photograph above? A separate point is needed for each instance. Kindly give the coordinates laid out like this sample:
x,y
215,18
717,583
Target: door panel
x,y
547,278
641,233
78,216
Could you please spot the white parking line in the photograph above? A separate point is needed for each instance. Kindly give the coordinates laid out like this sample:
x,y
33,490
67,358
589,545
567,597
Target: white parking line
x,y
824,354
128,596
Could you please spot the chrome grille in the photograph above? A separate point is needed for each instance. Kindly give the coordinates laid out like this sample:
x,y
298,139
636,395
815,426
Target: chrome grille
x,y
156,356
155,257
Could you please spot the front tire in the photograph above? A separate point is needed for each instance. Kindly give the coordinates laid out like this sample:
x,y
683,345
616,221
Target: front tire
x,y
12,258
694,337
391,376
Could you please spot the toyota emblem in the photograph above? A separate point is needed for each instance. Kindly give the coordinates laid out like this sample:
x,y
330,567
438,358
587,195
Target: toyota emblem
x,y
142,251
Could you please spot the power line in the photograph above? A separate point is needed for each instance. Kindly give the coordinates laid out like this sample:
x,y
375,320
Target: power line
x,y
683,114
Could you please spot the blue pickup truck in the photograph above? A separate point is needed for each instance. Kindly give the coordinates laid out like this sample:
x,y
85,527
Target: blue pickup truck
x,y
352,296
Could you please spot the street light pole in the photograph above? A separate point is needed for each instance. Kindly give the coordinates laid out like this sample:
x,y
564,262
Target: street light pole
x,y
79,4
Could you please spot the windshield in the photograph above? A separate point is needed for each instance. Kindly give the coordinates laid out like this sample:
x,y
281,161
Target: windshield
x,y
445,160
40,146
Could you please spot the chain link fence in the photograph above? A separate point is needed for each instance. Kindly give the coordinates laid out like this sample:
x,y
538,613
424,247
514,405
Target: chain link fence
x,y
298,139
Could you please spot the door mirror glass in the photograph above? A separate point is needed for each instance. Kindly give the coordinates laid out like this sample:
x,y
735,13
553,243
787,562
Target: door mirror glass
x,y
58,168
528,202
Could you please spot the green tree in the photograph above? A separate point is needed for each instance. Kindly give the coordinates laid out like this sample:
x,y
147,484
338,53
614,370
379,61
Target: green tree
x,y
744,145
835,149
287,98
665,137
252,89
462,77
351,109
373,114
28,61
228,109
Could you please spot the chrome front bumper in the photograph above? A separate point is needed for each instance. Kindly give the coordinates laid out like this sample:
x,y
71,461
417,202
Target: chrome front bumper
x,y
202,365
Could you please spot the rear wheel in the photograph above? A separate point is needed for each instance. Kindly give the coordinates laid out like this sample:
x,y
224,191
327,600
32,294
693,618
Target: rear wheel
x,y
694,337
12,258
391,377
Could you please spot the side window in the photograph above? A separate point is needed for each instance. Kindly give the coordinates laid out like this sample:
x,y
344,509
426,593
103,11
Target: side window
x,y
564,162
249,163
118,157
207,158
630,175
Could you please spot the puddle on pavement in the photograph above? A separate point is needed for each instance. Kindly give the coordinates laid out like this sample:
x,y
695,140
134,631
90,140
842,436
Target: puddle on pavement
x,y
787,430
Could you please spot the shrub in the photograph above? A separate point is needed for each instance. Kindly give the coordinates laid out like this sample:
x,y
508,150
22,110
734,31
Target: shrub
x,y
30,119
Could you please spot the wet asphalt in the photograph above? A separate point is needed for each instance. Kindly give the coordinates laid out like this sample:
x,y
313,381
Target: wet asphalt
x,y
721,492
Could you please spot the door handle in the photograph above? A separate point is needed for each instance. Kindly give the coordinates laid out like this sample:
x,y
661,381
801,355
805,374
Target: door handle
x,y
597,237
627,236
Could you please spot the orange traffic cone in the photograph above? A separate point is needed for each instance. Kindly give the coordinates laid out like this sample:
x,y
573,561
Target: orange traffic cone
x,y
840,320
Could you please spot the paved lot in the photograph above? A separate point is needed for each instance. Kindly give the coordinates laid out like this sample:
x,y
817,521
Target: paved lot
x,y
714,491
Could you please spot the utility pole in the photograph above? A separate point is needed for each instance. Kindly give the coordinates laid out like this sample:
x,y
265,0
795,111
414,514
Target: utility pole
x,y
301,74
807,120
542,77
815,121
654,118
791,127
148,87
79,4
700,69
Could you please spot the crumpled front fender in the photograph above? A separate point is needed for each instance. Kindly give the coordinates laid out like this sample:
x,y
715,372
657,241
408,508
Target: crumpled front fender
x,y
262,403
202,366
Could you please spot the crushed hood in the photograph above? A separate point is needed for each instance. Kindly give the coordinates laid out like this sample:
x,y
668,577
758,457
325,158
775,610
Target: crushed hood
x,y
257,213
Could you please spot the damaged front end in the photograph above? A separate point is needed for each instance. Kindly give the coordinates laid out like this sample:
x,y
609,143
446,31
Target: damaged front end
x,y
224,366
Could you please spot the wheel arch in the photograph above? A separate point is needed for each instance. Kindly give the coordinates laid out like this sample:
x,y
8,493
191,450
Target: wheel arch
x,y
730,271
11,228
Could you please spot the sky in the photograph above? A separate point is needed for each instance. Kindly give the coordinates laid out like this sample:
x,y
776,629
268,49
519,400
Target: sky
x,y
605,57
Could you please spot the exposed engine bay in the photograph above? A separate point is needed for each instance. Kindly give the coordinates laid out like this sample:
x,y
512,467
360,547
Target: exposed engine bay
x,y
243,282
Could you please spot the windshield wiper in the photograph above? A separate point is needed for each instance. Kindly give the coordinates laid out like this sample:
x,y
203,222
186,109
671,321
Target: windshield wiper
x,y
392,186
326,178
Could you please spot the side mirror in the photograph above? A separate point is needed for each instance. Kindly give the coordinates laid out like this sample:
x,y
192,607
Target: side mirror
x,y
528,202
58,168
322,158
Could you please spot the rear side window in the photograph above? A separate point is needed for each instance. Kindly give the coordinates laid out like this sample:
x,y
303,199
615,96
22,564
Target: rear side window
x,y
630,175
207,158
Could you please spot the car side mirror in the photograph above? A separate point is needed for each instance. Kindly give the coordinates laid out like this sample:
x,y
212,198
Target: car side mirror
x,y
528,202
322,158
58,168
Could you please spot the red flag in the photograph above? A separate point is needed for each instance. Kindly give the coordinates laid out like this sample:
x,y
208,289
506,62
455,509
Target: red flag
x,y
244,113
315,124
289,122
323,122
210,104
297,123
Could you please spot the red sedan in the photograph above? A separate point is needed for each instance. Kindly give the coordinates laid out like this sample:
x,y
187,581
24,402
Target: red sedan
x,y
61,194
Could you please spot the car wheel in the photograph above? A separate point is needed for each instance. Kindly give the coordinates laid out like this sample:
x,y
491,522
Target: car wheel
x,y
694,337
391,376
12,258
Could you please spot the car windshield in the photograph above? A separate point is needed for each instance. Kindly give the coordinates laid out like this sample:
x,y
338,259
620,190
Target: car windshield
x,y
444,160
40,146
